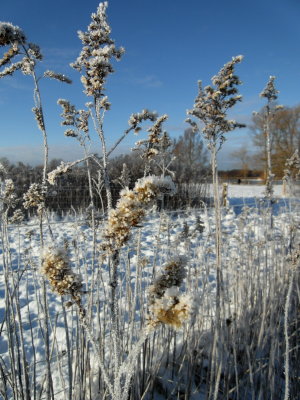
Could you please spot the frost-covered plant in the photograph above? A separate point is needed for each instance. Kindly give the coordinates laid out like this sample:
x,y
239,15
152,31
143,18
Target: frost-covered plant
x,y
150,147
63,168
131,208
56,267
291,171
270,93
35,197
17,217
211,107
213,102
124,179
24,56
95,57
76,119
8,198
225,202
95,65
166,304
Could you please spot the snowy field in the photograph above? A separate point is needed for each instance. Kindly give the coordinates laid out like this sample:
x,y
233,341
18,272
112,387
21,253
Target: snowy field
x,y
254,258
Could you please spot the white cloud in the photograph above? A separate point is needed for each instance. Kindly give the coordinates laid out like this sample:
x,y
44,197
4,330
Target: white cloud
x,y
150,81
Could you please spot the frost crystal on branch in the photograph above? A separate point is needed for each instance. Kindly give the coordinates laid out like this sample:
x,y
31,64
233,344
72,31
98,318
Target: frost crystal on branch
x,y
11,69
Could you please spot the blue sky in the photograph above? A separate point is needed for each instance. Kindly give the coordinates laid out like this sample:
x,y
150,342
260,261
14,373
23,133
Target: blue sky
x,y
170,45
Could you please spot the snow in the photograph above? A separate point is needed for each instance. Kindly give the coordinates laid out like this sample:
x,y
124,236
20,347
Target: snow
x,y
161,236
251,191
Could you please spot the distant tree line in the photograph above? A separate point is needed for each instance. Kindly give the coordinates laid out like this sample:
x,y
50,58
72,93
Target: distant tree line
x,y
186,157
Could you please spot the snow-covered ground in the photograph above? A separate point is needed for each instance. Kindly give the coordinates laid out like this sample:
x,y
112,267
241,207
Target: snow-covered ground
x,y
162,236
250,191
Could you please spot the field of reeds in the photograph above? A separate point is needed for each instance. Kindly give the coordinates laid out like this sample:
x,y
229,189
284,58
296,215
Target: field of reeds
x,y
146,302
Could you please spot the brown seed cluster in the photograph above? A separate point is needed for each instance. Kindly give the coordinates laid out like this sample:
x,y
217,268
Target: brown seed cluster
x,y
130,209
166,304
62,279
34,197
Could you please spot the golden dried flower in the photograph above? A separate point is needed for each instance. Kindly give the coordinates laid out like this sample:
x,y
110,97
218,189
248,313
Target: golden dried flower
x,y
166,304
130,209
56,267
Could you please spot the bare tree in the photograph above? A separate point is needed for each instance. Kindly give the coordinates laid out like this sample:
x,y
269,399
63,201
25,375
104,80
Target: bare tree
x,y
191,157
243,157
285,137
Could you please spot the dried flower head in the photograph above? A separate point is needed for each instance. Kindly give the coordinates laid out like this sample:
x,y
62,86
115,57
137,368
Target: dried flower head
x,y
17,217
137,118
166,304
35,51
56,267
152,145
130,209
10,34
96,54
8,196
39,118
58,77
212,103
35,197
11,69
7,57
78,119
58,171
270,91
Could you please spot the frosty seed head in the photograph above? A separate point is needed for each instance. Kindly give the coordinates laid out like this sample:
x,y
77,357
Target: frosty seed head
x,y
78,119
39,118
60,170
56,268
137,118
170,310
173,275
7,194
96,54
212,103
10,34
270,92
9,55
166,304
130,209
35,197
59,77
17,217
